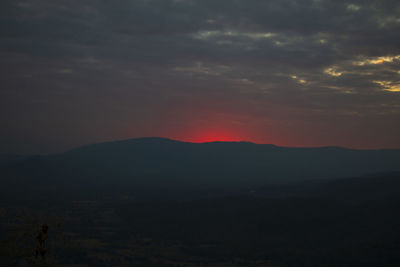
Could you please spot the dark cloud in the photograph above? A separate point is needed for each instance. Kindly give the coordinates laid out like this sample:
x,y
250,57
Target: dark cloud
x,y
105,69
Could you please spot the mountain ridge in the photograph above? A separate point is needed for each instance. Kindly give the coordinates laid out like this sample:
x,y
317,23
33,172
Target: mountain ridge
x,y
160,140
170,162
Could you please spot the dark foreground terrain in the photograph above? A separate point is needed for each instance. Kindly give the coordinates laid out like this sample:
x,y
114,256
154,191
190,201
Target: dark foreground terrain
x,y
125,221
351,222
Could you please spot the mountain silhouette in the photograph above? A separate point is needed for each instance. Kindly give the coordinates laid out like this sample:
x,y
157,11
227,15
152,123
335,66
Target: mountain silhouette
x,y
218,199
164,161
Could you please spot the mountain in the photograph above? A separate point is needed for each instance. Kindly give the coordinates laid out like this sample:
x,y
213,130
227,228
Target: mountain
x,y
158,161
220,202
6,159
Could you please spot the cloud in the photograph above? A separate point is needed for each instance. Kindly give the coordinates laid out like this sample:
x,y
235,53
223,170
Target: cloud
x,y
322,58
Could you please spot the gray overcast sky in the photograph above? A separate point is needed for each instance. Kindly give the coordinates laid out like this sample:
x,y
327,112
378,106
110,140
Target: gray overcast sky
x,y
293,73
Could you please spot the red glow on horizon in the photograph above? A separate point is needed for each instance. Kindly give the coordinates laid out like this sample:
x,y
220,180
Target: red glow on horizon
x,y
205,136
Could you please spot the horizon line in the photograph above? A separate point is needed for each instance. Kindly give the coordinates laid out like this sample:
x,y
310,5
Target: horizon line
x,y
193,142
230,141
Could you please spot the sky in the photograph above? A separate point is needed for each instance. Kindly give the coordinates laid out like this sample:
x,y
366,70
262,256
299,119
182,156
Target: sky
x,y
286,72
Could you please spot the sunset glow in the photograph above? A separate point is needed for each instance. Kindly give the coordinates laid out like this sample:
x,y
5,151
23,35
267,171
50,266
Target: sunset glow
x,y
213,134
214,137
319,73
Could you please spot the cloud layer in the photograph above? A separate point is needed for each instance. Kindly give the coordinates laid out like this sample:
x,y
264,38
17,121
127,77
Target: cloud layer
x,y
311,72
